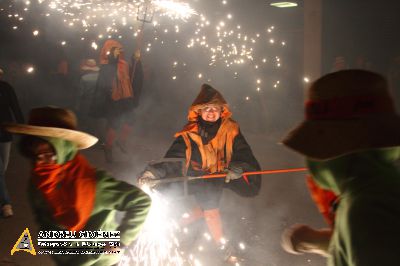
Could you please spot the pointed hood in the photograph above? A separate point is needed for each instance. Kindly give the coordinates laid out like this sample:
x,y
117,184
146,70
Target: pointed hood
x,y
107,46
208,96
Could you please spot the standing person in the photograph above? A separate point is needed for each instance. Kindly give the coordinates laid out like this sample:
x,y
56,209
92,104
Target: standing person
x,y
87,86
211,142
351,141
137,78
137,75
67,193
10,111
115,94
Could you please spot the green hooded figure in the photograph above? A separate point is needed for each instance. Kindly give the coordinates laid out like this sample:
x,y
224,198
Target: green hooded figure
x,y
351,140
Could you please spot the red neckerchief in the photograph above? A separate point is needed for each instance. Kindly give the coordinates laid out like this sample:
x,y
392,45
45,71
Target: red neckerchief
x,y
69,189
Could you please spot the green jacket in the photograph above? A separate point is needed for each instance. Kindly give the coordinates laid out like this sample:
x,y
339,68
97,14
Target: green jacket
x,y
366,231
112,195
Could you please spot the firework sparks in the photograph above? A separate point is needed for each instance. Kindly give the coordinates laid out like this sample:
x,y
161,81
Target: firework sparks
x,y
157,243
223,42
175,9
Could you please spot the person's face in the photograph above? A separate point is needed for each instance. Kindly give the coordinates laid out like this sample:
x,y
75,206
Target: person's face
x,y
211,113
117,52
43,153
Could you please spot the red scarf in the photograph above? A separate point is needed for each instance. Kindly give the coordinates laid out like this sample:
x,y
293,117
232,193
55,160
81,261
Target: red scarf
x,y
69,189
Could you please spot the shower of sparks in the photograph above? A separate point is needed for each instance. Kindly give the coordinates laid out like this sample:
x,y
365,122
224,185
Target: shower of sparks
x,y
174,9
108,15
157,243
220,42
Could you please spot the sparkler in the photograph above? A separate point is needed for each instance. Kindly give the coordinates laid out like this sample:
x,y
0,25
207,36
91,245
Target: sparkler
x,y
157,243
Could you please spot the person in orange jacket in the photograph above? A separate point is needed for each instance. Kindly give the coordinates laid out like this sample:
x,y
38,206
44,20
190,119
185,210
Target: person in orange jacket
x,y
211,142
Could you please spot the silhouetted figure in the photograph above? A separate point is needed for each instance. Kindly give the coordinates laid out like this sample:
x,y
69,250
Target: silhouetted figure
x,y
10,111
115,95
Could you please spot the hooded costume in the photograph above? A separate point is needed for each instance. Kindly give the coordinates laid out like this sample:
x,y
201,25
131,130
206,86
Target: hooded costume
x,y
213,147
351,141
114,93
117,92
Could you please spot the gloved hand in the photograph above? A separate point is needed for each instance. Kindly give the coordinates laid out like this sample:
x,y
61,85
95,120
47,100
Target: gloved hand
x,y
147,178
233,172
301,238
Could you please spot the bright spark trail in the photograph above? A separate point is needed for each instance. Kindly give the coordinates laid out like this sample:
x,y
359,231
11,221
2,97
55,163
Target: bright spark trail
x,y
157,243
219,41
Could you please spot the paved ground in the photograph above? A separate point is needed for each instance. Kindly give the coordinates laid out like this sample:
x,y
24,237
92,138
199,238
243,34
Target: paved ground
x,y
283,201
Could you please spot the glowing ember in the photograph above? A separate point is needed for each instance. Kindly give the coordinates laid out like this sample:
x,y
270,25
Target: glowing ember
x,y
30,69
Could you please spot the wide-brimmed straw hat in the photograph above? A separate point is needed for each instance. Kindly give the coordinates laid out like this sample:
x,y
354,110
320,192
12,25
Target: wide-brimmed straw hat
x,y
346,111
53,122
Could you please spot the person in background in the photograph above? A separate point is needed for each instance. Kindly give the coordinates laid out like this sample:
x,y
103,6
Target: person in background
x,y
87,86
351,141
115,94
211,142
10,111
68,193
137,78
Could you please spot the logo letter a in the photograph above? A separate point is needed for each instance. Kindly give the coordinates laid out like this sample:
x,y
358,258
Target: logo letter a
x,y
24,243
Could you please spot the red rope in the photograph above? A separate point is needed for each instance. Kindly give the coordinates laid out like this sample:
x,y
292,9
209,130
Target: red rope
x,y
263,172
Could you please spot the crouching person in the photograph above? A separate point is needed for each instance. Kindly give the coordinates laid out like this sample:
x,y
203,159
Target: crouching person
x,y
67,193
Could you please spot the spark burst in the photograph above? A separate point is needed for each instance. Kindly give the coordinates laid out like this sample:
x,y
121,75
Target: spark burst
x,y
225,43
157,243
